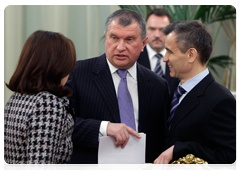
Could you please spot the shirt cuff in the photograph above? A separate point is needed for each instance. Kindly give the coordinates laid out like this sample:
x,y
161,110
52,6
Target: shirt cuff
x,y
103,128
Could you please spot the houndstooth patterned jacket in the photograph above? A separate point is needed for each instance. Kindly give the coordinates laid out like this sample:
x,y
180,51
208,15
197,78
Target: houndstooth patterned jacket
x,y
37,129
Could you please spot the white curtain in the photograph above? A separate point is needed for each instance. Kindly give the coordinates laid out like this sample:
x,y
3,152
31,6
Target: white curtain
x,y
229,28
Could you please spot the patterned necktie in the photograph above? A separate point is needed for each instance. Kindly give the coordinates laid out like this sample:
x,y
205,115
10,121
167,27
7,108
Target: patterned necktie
x,y
174,104
158,69
125,101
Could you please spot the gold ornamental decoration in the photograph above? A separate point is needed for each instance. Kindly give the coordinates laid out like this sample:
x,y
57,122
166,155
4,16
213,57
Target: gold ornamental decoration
x,y
190,162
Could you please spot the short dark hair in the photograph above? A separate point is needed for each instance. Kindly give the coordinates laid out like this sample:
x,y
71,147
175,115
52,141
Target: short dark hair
x,y
46,58
127,17
160,12
192,34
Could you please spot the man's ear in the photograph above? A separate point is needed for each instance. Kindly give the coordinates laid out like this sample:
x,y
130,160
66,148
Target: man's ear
x,y
144,42
105,35
192,55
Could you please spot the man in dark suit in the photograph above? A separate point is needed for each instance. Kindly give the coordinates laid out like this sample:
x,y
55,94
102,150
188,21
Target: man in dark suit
x,y
201,114
95,84
156,20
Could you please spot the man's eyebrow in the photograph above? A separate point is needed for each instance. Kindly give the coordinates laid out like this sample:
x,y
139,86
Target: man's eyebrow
x,y
112,34
131,36
168,50
152,27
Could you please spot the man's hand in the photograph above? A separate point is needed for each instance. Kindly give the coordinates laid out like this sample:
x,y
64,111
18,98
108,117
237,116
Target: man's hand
x,y
121,133
165,157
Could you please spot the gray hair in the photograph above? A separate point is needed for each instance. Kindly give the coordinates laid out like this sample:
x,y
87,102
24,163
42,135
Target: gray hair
x,y
127,17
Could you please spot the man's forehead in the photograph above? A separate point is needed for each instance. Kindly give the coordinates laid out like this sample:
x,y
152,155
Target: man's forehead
x,y
171,36
170,39
154,19
116,28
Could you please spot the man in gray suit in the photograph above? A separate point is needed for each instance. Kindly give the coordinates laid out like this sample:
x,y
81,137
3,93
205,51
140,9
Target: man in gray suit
x,y
96,98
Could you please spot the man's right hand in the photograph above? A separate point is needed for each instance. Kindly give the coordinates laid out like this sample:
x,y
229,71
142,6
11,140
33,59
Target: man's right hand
x,y
165,157
121,133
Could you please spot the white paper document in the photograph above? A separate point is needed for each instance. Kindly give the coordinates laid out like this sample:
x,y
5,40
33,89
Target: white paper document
x,y
132,153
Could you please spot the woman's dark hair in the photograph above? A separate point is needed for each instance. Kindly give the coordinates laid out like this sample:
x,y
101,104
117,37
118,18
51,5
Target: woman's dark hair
x,y
46,58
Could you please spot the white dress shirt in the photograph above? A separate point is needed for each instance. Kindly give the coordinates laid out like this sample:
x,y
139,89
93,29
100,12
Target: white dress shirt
x,y
133,90
153,59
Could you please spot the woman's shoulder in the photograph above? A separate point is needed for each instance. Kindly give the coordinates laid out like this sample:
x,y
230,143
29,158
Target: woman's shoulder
x,y
45,97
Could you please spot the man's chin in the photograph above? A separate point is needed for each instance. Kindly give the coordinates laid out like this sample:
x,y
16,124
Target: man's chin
x,y
172,75
158,48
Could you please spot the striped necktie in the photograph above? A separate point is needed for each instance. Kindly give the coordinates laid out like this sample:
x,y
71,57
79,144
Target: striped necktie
x,y
174,104
158,69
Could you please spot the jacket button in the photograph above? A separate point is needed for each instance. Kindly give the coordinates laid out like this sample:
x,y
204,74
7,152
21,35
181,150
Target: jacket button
x,y
167,139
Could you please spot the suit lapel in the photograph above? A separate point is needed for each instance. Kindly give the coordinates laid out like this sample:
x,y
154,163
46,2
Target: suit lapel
x,y
144,94
190,101
104,83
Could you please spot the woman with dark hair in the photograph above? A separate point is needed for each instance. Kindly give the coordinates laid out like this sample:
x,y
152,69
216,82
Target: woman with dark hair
x,y
38,123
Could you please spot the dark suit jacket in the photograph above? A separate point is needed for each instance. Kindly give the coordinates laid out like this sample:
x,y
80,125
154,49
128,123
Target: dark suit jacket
x,y
94,99
144,60
204,124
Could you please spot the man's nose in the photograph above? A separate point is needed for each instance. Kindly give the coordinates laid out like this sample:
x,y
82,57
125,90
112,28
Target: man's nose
x,y
121,46
165,58
157,33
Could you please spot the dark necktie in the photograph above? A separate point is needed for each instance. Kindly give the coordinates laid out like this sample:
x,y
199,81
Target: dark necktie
x,y
125,101
158,69
174,104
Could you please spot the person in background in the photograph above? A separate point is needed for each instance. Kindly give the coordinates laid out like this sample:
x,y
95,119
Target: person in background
x,y
154,51
115,96
201,115
38,121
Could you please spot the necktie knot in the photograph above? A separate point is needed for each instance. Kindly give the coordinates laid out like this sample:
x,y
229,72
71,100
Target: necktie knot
x,y
159,56
122,73
179,92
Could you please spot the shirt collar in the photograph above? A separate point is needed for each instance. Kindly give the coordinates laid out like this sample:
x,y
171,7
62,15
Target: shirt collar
x,y
152,53
190,84
132,71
